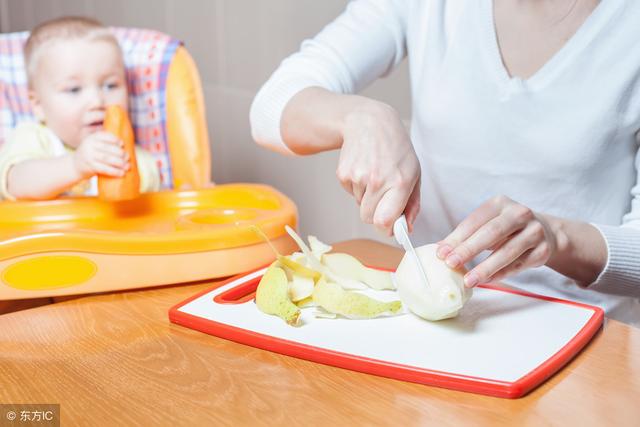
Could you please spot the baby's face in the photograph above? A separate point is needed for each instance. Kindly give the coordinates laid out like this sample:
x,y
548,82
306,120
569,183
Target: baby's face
x,y
73,82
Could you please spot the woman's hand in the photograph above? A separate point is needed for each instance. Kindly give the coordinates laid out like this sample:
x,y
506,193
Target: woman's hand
x,y
378,165
518,238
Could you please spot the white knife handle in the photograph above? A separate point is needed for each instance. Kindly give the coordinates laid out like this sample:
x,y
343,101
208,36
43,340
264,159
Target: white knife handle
x,y
401,233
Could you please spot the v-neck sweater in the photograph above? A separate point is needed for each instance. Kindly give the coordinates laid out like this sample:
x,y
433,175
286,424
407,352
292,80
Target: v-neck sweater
x,y
564,141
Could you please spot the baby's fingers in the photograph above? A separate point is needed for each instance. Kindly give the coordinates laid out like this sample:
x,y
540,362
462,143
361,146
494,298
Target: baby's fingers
x,y
120,160
108,138
112,150
109,170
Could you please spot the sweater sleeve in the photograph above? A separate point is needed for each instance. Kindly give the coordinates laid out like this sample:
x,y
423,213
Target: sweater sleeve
x,y
365,42
621,275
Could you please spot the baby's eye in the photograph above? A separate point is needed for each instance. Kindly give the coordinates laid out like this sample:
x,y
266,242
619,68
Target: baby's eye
x,y
112,86
73,89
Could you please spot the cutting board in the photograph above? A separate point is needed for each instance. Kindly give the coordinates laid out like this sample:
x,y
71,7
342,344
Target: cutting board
x,y
504,343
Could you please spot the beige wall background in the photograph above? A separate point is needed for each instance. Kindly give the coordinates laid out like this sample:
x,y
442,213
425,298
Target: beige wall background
x,y
237,44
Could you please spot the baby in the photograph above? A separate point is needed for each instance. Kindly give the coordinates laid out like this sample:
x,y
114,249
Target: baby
x,y
75,69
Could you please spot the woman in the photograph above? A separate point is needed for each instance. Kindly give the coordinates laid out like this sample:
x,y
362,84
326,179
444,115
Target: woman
x,y
523,143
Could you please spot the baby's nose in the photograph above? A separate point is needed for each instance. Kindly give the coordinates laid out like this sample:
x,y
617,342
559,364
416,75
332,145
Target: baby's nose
x,y
96,99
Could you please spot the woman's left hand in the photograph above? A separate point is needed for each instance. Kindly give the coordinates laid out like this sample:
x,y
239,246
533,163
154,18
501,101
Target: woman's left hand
x,y
518,238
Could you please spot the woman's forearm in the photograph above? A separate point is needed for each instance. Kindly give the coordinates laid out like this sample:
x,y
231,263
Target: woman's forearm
x,y
42,179
313,120
582,251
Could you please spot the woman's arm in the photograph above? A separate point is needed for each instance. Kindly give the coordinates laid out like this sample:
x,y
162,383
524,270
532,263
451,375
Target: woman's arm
x,y
601,257
314,119
604,258
581,251
340,59
307,107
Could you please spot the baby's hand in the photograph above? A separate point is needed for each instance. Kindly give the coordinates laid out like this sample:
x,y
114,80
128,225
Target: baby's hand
x,y
101,153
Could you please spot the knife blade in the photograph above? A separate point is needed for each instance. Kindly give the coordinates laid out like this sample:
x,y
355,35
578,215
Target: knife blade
x,y
401,234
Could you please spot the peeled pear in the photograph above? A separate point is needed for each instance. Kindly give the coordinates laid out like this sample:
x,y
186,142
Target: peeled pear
x,y
272,295
443,297
347,266
334,299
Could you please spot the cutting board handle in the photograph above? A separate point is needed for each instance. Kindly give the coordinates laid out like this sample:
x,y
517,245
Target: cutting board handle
x,y
239,289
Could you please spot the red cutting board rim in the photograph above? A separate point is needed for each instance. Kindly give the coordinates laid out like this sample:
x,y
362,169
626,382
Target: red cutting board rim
x,y
466,383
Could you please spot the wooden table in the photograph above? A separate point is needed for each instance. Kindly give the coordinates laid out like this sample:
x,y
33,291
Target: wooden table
x,y
115,359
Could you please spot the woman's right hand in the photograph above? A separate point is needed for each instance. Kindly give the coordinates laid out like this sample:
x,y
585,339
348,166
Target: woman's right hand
x,y
378,165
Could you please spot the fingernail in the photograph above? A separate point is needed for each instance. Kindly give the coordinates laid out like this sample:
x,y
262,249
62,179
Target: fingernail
x,y
453,260
471,279
443,251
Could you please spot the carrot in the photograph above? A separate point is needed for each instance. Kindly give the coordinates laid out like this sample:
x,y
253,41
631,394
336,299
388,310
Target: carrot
x,y
127,187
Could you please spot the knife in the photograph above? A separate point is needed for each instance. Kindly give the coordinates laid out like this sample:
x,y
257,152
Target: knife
x,y
401,233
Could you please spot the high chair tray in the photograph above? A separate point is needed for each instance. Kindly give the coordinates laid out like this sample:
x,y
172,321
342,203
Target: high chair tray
x,y
83,245
504,343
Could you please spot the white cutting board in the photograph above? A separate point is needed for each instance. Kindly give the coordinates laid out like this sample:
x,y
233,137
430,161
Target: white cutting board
x,y
502,344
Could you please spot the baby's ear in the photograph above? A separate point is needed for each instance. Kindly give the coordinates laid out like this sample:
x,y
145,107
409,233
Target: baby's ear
x,y
36,105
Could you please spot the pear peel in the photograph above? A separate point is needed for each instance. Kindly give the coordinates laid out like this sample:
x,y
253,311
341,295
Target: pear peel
x,y
321,313
318,248
296,268
302,280
334,299
300,287
272,296
348,266
290,262
307,302
315,264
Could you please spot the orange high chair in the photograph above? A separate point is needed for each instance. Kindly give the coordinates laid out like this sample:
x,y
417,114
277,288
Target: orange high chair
x,y
189,231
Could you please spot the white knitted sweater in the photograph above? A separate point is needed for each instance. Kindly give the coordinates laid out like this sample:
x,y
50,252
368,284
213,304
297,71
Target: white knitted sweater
x,y
563,142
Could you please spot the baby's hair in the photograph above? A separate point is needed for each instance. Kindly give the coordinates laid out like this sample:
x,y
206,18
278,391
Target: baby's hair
x,y
63,28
